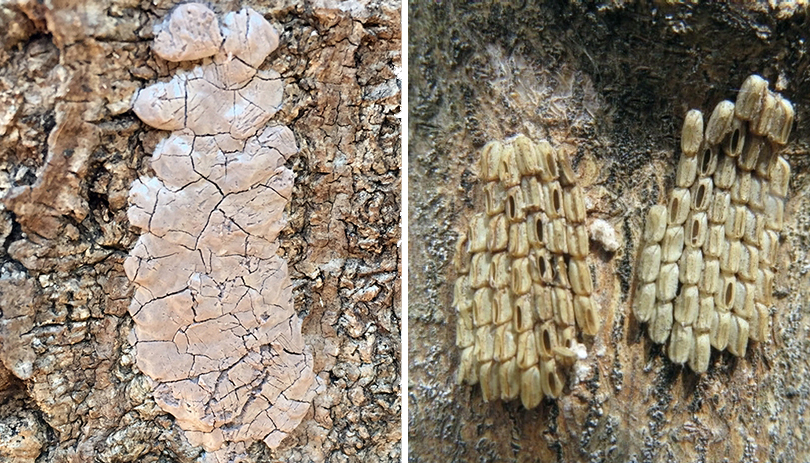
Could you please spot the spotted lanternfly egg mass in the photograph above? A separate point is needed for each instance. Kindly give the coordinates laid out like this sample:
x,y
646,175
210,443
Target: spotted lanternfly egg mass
x,y
524,284
705,272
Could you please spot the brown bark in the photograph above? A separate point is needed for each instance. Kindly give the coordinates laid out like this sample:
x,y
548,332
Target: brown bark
x,y
70,148
613,83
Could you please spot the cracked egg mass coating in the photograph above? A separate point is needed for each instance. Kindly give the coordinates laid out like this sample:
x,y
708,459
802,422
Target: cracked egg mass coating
x,y
215,326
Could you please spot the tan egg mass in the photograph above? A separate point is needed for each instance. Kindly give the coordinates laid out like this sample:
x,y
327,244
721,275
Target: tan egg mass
x,y
727,208
524,286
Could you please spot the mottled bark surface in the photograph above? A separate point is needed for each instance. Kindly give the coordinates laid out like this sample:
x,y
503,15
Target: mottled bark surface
x,y
69,149
614,83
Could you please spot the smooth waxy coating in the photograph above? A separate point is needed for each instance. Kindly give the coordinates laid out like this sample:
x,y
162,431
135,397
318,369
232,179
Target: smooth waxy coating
x,y
191,32
224,96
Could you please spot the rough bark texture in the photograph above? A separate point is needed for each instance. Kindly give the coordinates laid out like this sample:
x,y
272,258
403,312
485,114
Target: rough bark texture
x,y
614,81
70,148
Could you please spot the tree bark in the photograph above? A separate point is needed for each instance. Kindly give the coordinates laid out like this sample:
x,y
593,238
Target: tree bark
x,y
69,149
612,82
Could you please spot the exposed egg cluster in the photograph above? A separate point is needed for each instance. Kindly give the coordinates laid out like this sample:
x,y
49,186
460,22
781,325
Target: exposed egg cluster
x,y
705,273
524,285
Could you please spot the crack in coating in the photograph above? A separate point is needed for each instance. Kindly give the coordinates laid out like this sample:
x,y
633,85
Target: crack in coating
x,y
215,326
